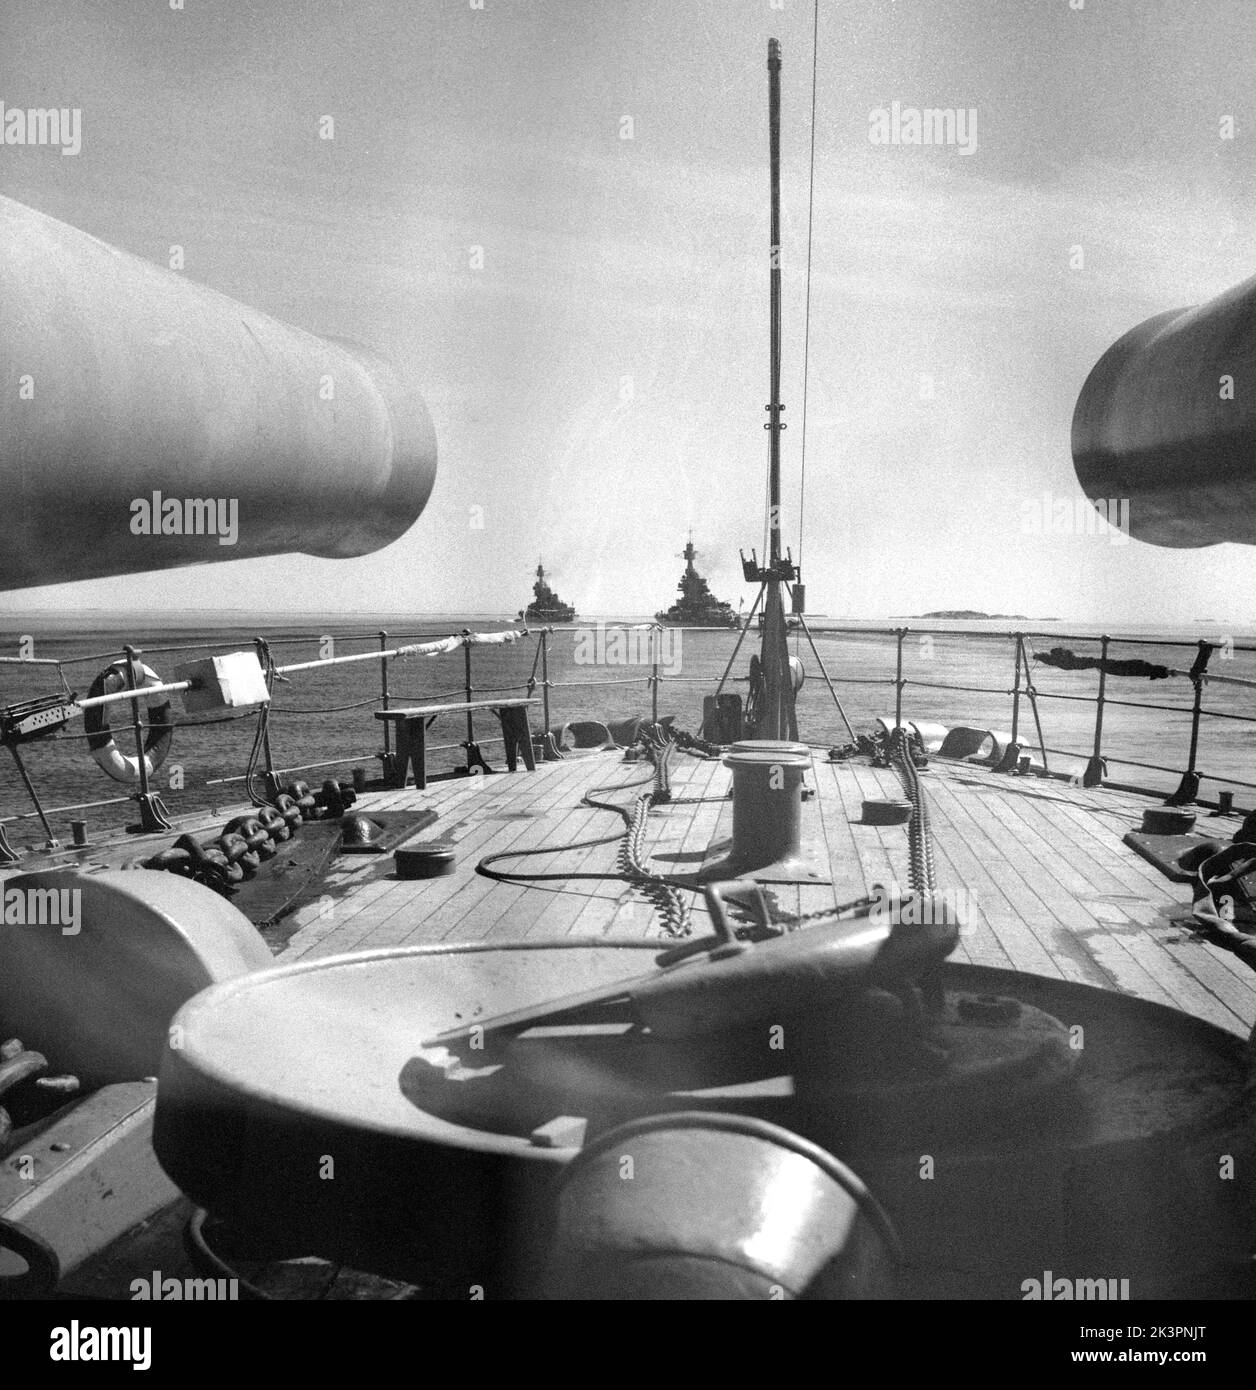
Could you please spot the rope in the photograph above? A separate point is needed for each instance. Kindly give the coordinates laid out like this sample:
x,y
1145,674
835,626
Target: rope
x,y
330,709
622,680
205,723
430,696
62,737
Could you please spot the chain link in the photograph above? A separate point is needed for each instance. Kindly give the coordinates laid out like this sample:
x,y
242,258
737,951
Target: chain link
x,y
674,911
922,871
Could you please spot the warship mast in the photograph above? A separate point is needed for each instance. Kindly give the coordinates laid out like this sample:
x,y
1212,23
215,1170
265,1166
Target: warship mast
x,y
778,719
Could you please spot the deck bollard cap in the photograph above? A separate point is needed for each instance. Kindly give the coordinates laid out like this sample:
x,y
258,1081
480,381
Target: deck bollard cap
x,y
765,752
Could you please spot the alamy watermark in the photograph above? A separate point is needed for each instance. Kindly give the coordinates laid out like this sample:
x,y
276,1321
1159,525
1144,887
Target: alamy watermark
x,y
909,125
1058,1288
1049,515
171,1290
39,125
77,1342
186,516
43,907
896,906
629,646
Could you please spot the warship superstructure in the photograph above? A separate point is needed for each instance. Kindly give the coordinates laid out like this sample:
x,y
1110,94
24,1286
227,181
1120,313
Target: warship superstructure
x,y
697,606
546,606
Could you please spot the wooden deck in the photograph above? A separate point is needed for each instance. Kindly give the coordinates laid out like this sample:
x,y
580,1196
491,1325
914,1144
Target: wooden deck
x,y
1038,868
1042,879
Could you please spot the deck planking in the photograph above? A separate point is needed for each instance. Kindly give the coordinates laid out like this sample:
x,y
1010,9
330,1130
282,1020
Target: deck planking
x,y
1047,885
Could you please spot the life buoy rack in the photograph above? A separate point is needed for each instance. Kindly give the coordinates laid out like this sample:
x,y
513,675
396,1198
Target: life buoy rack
x,y
96,725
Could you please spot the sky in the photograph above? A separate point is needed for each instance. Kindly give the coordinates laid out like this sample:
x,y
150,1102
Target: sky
x,y
598,385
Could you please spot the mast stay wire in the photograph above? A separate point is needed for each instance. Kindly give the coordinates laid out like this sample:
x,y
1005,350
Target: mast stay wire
x,y
806,334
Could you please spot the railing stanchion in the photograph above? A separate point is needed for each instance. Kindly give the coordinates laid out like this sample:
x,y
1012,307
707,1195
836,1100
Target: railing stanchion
x,y
655,633
1094,774
269,779
132,655
900,633
1016,688
545,709
549,750
383,689
1188,789
384,695
1193,751
7,853
153,814
473,752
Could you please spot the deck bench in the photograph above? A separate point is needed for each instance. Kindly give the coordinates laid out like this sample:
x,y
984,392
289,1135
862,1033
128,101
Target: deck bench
x,y
413,721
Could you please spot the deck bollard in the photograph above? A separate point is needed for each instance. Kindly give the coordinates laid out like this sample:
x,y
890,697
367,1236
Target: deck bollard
x,y
767,802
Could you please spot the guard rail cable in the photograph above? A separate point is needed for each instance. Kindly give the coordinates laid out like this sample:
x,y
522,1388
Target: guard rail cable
x,y
1199,676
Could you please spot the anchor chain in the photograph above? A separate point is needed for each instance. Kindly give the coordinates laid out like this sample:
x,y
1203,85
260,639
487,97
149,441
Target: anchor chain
x,y
791,921
906,755
674,911
921,869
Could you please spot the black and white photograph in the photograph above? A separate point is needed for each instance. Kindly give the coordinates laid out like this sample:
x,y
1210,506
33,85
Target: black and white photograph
x,y
627,670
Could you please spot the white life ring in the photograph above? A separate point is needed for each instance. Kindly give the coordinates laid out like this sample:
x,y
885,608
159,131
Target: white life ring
x,y
96,724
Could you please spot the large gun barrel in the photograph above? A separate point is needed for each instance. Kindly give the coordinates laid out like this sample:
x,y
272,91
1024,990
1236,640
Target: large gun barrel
x,y
1166,421
150,422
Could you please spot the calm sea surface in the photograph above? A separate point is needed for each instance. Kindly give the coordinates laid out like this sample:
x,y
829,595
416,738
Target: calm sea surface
x,y
309,723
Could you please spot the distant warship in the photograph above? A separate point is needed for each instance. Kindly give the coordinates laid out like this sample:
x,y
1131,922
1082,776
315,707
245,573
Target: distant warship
x,y
697,605
546,607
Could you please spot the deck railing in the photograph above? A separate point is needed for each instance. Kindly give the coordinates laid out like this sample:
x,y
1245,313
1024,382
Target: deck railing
x,y
1197,673
387,652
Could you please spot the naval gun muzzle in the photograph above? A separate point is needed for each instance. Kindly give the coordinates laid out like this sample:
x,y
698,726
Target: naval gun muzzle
x,y
1164,430
150,422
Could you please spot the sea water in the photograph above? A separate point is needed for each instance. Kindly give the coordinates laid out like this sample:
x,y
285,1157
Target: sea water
x,y
957,673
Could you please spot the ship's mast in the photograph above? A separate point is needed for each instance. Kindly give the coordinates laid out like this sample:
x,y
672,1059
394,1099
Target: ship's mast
x,y
774,284
778,719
